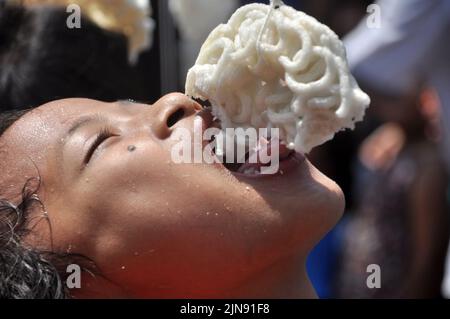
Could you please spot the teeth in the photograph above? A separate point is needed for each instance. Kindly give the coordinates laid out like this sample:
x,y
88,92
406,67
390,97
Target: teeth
x,y
219,151
252,171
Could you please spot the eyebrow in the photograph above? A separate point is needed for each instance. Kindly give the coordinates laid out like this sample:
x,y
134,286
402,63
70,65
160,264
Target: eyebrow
x,y
86,120
82,122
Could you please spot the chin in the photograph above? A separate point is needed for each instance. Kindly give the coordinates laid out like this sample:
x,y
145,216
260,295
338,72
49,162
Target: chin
x,y
309,207
329,207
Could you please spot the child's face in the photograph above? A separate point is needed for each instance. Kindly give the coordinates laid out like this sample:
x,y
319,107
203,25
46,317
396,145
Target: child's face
x,y
152,226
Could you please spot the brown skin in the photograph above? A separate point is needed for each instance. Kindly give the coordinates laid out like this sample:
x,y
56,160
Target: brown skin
x,y
160,229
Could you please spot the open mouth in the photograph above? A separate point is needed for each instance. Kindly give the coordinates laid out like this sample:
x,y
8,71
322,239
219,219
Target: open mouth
x,y
258,161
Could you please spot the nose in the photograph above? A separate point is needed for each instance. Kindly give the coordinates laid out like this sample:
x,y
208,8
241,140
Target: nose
x,y
169,110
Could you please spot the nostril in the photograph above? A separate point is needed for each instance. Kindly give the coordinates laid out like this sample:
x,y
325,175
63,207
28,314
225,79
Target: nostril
x,y
175,117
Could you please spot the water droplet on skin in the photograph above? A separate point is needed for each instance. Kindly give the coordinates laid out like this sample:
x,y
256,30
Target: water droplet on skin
x,y
247,188
217,214
87,180
136,253
208,213
123,267
281,172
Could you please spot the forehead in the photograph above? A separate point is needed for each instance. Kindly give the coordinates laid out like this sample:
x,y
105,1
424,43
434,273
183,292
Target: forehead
x,y
53,116
23,147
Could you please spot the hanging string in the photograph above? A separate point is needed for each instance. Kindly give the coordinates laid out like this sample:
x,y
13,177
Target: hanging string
x,y
274,4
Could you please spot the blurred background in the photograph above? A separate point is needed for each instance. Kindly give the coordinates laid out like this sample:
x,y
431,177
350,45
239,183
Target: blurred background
x,y
392,168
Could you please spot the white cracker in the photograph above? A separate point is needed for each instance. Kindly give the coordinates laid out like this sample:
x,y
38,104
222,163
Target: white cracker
x,y
278,68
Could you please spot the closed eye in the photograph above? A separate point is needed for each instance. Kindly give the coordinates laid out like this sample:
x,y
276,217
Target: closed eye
x,y
101,137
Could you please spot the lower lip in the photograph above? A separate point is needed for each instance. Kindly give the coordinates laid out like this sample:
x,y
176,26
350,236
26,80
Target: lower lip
x,y
286,166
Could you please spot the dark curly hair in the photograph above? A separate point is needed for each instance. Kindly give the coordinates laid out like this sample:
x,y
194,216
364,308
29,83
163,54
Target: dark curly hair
x,y
26,273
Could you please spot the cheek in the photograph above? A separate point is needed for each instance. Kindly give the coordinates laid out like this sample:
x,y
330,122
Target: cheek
x,y
142,211
116,196
131,168
140,199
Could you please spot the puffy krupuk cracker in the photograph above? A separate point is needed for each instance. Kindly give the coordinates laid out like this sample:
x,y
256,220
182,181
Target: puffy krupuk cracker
x,y
278,68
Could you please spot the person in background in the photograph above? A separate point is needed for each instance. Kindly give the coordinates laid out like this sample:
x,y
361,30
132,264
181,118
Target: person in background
x,y
407,42
400,222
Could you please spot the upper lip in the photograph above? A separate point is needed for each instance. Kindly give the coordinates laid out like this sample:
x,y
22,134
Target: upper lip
x,y
207,117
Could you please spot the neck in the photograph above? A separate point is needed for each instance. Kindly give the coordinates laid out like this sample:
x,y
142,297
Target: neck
x,y
287,279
